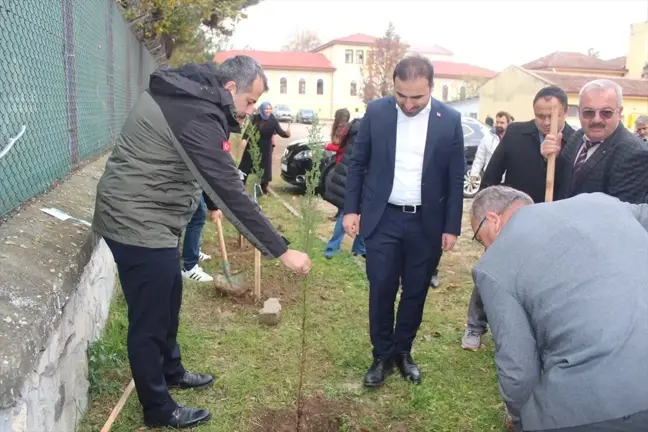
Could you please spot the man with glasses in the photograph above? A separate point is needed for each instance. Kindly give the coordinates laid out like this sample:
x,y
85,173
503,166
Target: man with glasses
x,y
603,156
564,288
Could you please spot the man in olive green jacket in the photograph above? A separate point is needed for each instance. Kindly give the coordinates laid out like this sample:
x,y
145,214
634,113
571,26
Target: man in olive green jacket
x,y
174,145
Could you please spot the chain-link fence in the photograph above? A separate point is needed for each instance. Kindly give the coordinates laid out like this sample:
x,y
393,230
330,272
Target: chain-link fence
x,y
69,73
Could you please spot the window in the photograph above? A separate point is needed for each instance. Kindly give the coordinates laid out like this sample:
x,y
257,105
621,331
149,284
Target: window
x,y
302,86
283,86
320,86
462,92
354,89
348,56
360,57
467,130
572,111
444,93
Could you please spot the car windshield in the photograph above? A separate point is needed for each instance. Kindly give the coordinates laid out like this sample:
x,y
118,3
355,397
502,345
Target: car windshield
x,y
307,112
282,108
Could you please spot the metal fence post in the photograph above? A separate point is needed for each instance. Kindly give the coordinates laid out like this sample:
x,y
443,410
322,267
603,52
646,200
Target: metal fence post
x,y
70,82
110,69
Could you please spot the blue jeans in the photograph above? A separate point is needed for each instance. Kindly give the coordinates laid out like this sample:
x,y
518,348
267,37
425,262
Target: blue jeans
x,y
334,244
193,233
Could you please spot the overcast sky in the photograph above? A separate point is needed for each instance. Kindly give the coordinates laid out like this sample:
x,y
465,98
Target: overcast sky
x,y
492,34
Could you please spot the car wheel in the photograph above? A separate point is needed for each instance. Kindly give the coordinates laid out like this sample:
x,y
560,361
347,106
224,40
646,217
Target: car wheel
x,y
471,187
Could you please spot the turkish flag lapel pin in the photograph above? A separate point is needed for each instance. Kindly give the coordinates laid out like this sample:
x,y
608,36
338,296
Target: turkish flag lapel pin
x,y
227,146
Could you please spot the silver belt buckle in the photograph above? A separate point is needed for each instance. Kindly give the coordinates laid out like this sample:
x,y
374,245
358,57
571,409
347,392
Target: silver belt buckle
x,y
407,211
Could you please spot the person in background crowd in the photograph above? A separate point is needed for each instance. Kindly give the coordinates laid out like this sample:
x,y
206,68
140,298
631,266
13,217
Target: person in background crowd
x,y
191,253
488,145
339,130
489,121
267,125
518,159
334,191
564,289
641,128
173,146
411,204
603,156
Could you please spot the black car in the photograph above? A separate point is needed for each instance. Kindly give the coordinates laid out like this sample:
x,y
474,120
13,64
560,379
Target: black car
x,y
305,116
296,160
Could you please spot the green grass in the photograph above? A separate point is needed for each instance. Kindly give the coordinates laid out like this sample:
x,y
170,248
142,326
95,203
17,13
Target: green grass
x,y
257,368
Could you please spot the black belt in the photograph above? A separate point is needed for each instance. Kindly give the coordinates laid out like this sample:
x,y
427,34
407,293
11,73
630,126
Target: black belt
x,y
405,208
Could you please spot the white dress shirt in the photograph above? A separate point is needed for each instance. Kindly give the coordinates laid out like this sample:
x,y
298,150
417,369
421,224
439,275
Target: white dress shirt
x,y
411,136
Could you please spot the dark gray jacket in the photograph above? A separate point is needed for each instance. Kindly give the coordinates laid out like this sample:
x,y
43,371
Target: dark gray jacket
x,y
170,148
336,183
564,290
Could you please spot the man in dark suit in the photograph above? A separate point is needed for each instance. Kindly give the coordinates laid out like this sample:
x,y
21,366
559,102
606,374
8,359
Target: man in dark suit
x,y
405,178
603,156
518,158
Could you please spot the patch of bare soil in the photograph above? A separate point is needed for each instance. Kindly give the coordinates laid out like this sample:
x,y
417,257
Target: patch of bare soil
x,y
319,415
277,282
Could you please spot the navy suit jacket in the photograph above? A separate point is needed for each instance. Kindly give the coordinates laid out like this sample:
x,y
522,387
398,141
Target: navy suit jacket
x,y
370,174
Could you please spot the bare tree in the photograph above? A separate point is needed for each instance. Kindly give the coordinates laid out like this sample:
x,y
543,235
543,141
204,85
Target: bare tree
x,y
644,73
305,40
472,85
592,52
381,61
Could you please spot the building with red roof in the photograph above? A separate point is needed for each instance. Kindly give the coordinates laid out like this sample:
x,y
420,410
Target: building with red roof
x,y
330,77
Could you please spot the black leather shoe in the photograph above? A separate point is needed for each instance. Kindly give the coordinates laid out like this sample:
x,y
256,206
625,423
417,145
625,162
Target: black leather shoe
x,y
408,369
191,380
180,418
380,369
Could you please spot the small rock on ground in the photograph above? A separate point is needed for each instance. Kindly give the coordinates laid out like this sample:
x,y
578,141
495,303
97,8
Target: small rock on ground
x,y
271,312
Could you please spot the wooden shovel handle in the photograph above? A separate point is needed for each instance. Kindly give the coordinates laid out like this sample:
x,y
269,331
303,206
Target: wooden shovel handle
x,y
221,240
115,412
551,160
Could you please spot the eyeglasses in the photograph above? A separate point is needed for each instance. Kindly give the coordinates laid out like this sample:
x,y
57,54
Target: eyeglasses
x,y
589,114
477,239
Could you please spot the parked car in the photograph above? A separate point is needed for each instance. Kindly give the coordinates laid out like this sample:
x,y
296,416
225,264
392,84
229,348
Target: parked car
x,y
305,116
473,131
296,160
283,113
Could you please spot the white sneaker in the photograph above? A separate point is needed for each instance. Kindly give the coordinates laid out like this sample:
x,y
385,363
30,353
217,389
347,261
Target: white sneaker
x,y
202,257
471,340
197,274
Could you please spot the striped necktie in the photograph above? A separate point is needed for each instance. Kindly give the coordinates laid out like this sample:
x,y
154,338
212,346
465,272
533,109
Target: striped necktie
x,y
582,156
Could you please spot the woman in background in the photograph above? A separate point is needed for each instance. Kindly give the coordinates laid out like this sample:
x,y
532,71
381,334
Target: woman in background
x,y
338,131
267,125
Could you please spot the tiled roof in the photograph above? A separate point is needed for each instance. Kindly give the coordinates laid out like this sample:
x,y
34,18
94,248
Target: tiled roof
x,y
574,60
445,69
365,39
430,49
573,83
290,60
354,39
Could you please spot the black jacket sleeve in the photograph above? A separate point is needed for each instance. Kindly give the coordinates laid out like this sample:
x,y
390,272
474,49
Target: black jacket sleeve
x,y
628,176
200,145
496,166
209,203
278,129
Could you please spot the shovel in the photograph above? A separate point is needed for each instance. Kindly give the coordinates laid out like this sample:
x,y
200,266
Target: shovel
x,y
227,282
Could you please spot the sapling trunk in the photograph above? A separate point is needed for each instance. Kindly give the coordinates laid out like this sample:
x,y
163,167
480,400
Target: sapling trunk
x,y
310,221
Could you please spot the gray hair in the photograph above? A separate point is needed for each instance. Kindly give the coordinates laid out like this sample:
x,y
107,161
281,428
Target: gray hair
x,y
243,70
642,120
602,84
496,199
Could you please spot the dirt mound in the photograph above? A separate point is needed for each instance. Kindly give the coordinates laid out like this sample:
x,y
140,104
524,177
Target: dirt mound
x,y
319,415
276,280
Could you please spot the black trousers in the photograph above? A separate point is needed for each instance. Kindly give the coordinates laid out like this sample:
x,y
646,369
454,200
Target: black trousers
x,y
152,284
398,253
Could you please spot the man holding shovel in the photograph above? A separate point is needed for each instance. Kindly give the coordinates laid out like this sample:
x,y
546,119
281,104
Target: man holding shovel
x,y
173,144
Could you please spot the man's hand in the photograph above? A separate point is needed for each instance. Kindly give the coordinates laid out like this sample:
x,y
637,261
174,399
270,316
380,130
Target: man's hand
x,y
474,178
288,132
296,261
351,224
215,215
551,145
448,241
